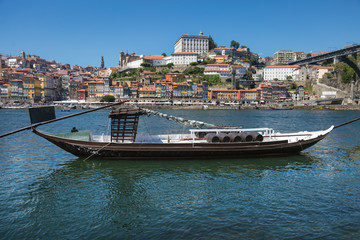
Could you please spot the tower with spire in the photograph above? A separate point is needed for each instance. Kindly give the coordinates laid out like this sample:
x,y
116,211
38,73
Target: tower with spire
x,y
102,62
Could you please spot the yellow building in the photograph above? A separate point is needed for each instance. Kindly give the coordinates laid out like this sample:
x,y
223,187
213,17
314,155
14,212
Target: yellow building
x,y
32,88
225,94
220,58
251,94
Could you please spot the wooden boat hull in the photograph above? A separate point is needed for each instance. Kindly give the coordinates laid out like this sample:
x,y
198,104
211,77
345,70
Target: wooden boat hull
x,y
126,151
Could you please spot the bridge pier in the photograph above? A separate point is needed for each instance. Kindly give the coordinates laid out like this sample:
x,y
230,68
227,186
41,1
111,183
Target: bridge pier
x,y
336,60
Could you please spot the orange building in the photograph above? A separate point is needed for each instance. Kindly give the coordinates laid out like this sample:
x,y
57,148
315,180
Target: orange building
x,y
174,77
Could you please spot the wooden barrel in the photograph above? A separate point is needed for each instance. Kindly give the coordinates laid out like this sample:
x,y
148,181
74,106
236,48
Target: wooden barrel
x,y
256,136
245,137
223,137
234,137
212,138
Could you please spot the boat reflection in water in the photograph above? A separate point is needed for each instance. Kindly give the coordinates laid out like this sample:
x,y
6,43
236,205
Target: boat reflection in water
x,y
135,199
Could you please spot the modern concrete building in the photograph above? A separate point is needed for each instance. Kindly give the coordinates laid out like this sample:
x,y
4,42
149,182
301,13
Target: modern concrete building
x,y
283,57
192,43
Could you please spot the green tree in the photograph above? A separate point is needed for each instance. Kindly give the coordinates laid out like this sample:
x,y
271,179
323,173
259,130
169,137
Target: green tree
x,y
293,86
212,43
276,79
164,71
195,70
194,63
114,75
164,54
289,78
347,73
248,75
108,98
145,64
213,79
170,65
234,44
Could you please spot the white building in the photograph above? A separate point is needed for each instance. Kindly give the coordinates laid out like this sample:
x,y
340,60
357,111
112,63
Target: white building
x,y
224,70
155,60
217,67
183,58
136,63
192,43
281,72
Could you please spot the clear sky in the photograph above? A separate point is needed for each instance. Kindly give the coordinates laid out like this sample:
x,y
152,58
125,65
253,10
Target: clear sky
x,y
80,32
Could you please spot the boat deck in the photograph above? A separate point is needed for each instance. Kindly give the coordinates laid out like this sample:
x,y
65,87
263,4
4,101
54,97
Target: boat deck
x,y
269,136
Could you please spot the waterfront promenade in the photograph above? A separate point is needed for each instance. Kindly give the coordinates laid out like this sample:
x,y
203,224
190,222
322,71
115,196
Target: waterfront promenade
x,y
204,105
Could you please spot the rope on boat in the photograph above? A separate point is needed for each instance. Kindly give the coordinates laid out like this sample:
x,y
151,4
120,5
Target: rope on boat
x,y
97,151
185,122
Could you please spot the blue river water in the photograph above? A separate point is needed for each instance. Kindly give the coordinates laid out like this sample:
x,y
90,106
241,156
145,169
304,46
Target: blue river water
x,y
46,193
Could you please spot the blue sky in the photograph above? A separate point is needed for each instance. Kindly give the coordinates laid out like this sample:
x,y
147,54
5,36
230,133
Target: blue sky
x,y
80,32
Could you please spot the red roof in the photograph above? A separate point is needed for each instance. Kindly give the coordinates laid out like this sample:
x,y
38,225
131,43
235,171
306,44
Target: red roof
x,y
284,66
223,48
184,53
217,65
156,57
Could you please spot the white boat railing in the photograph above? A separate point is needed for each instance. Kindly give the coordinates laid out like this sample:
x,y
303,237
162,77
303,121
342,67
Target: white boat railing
x,y
268,132
219,130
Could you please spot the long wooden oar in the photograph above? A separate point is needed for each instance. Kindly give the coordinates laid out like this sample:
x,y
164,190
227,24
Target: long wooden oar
x,y
58,119
345,123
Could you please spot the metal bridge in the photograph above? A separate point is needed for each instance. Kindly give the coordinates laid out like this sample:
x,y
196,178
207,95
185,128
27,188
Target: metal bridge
x,y
348,50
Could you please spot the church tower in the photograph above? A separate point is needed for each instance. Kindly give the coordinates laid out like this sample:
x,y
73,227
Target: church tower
x,y
121,59
102,62
22,54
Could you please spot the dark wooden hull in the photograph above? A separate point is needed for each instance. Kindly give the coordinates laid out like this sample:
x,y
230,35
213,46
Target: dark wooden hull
x,y
122,151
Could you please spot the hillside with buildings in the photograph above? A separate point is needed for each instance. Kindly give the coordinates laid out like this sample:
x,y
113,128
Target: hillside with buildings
x,y
198,69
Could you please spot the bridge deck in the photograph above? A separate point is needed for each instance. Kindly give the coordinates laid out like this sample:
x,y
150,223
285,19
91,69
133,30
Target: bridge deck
x,y
322,57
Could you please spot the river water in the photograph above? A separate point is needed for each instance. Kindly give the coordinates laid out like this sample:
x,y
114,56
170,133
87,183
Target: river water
x,y
46,193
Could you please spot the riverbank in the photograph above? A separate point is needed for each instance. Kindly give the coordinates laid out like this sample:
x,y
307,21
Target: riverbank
x,y
201,107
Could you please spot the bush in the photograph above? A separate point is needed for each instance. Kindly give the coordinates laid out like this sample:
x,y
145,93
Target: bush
x,y
145,64
108,98
195,70
347,72
213,79
293,86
